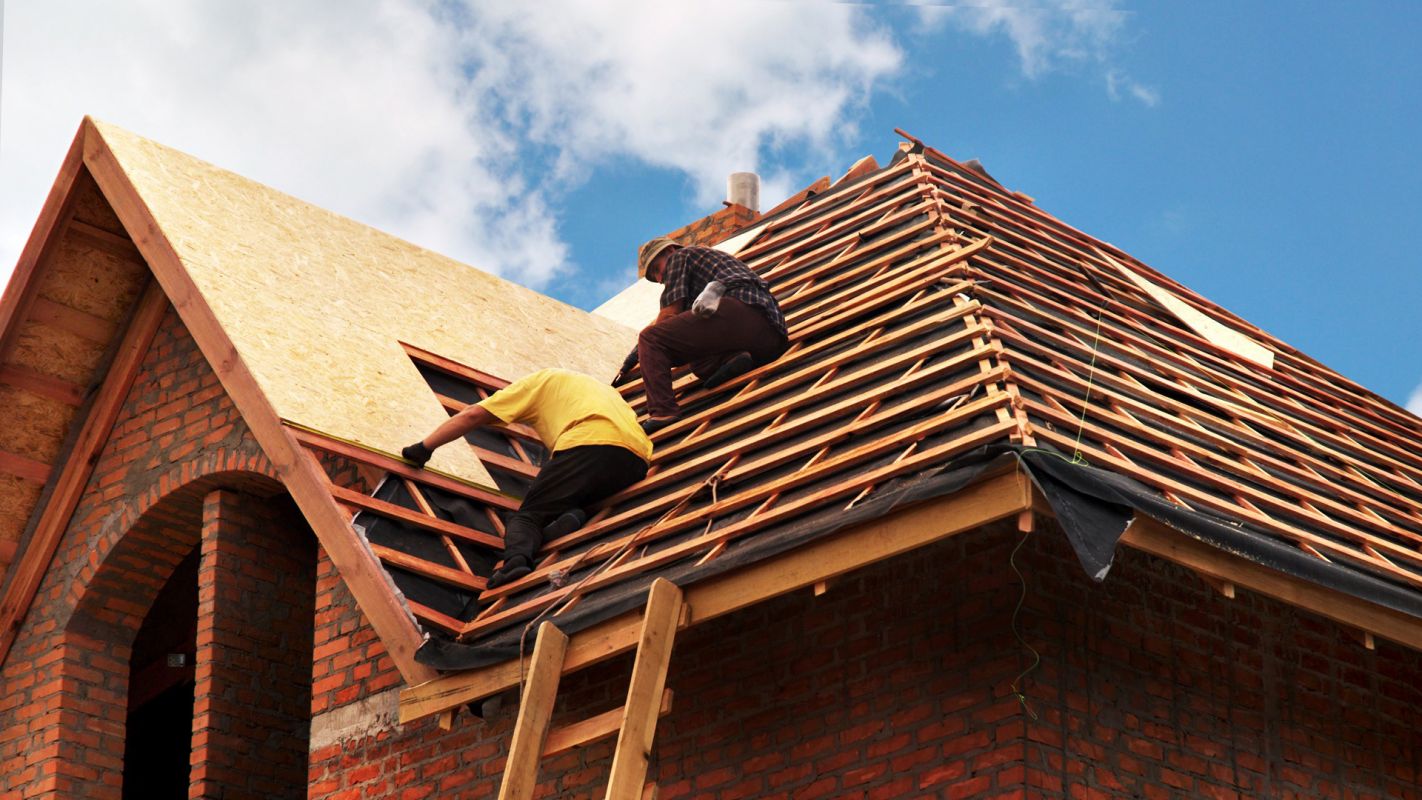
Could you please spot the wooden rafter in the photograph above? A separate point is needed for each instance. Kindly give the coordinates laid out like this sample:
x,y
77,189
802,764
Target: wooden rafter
x,y
43,385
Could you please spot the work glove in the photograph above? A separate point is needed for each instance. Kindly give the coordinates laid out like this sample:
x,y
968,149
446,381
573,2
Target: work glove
x,y
627,364
417,453
709,300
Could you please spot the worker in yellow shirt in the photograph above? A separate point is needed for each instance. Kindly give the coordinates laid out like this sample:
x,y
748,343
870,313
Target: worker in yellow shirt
x,y
598,449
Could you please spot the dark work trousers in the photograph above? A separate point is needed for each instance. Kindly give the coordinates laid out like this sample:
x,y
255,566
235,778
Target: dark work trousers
x,y
572,478
705,343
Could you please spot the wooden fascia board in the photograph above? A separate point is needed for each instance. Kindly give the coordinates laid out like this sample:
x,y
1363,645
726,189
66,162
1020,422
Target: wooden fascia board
x,y
54,516
298,471
23,284
993,498
1218,566
1152,537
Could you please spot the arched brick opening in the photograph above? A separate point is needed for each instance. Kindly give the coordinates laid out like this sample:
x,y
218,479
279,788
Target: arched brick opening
x,y
252,627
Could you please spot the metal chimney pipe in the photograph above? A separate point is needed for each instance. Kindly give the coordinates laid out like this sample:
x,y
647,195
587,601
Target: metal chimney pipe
x,y
743,188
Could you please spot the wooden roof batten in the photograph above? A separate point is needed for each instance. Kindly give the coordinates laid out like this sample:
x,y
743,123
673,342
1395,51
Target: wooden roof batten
x,y
808,277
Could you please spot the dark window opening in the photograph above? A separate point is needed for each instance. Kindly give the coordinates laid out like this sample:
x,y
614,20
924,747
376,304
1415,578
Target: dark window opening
x,y
160,692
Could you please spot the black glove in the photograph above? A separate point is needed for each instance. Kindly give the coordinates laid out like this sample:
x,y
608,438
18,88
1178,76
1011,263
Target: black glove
x,y
417,453
627,364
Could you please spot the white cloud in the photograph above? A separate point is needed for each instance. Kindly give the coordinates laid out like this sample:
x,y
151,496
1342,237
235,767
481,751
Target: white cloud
x,y
455,125
1049,34
463,124
1118,82
705,88
1414,403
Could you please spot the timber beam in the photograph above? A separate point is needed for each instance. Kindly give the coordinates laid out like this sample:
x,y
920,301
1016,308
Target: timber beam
x,y
1220,567
997,497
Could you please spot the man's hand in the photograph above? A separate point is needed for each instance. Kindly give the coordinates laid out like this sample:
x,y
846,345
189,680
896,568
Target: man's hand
x,y
709,300
417,454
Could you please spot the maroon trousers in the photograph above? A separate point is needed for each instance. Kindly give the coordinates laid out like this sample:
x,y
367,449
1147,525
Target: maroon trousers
x,y
704,343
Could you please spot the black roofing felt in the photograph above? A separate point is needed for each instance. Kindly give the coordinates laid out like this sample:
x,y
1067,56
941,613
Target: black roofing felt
x,y
1093,507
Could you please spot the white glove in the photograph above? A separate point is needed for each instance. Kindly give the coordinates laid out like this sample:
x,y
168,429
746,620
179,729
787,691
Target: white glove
x,y
709,300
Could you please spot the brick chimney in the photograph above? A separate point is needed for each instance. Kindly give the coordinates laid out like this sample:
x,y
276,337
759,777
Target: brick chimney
x,y
742,208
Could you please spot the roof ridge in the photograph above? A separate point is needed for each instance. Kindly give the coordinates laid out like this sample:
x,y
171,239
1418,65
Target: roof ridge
x,y
996,357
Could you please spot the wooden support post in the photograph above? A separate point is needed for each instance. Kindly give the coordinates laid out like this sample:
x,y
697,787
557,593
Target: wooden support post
x,y
649,677
534,713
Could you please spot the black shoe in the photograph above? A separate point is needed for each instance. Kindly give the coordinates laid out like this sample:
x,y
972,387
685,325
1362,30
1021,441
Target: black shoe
x,y
651,426
739,364
566,523
514,567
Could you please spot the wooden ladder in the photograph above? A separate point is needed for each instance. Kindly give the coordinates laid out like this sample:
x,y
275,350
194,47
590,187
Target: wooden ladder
x,y
636,721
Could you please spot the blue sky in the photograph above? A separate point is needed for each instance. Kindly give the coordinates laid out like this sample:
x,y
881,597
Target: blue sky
x,y
1263,154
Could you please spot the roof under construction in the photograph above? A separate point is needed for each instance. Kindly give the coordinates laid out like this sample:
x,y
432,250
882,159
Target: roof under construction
x,y
938,320
949,341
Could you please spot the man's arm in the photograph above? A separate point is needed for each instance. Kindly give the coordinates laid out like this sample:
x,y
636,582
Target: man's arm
x,y
669,311
469,418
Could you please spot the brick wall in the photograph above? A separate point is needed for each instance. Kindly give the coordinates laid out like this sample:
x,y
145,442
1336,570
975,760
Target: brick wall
x,y
350,662
252,702
65,680
897,683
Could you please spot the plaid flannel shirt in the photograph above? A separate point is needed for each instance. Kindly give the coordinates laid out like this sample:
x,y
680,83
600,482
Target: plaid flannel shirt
x,y
689,269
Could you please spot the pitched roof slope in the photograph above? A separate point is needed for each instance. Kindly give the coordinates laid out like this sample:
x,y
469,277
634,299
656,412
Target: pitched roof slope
x,y
935,314
317,305
309,319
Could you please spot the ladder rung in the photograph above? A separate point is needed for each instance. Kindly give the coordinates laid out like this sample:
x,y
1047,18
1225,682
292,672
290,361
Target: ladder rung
x,y
579,734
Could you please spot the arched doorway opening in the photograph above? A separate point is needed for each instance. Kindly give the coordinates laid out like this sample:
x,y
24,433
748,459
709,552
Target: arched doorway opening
x,y
190,648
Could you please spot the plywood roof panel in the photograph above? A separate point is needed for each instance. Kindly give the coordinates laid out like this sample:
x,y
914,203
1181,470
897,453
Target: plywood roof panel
x,y
316,304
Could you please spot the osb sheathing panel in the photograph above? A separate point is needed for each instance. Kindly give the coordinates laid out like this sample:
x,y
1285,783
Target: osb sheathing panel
x,y
635,307
56,352
316,305
18,498
33,426
91,207
92,280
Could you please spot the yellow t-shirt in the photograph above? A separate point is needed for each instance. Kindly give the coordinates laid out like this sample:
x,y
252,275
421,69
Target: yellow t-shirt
x,y
569,409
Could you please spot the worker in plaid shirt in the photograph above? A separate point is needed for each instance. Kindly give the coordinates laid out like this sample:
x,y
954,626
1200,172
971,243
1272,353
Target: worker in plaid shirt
x,y
732,323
